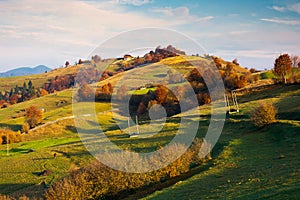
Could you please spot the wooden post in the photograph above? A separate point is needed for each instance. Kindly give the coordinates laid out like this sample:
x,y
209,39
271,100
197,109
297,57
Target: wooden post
x,y
137,124
128,122
7,145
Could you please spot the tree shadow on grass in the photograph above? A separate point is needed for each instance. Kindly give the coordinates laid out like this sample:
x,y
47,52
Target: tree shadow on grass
x,y
8,188
14,127
279,131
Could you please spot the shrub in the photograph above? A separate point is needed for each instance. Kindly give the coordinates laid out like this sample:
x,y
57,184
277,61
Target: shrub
x,y
25,127
9,136
264,114
98,181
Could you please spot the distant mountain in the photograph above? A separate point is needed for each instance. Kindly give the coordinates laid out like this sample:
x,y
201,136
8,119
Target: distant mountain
x,y
22,71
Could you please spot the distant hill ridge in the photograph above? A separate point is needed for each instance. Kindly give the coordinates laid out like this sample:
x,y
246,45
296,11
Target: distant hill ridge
x,y
23,71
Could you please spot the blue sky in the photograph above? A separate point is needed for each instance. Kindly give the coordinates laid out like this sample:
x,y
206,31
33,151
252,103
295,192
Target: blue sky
x,y
51,32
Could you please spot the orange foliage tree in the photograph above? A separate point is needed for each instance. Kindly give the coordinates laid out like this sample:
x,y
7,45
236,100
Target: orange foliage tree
x,y
33,116
283,66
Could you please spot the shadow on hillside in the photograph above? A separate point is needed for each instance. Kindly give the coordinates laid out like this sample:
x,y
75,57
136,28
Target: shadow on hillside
x,y
74,144
289,108
14,127
7,188
279,131
70,154
18,150
271,91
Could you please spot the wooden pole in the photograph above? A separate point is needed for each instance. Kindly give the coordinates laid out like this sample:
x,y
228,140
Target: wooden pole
x,y
137,124
128,123
7,145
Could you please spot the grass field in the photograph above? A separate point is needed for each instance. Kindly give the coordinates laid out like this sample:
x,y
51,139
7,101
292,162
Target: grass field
x,y
247,159
254,163
249,163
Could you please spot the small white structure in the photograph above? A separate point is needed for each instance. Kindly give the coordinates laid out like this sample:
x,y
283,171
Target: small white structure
x,y
234,108
127,57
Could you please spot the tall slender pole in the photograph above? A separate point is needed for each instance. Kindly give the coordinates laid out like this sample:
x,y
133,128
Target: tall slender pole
x,y
137,125
128,123
7,141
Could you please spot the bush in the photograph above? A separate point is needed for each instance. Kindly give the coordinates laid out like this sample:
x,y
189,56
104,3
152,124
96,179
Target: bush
x,y
264,114
98,181
9,136
25,127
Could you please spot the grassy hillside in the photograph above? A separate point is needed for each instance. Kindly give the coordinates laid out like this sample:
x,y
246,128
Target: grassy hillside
x,y
254,163
246,159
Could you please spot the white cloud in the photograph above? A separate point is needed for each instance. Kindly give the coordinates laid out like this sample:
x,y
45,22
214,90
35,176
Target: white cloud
x,y
60,26
249,53
282,21
278,8
240,32
133,2
295,8
181,15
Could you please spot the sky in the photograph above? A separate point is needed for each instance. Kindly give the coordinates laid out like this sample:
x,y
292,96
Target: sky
x,y
255,32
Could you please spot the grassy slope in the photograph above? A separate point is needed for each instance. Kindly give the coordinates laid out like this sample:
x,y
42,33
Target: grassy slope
x,y
38,79
62,137
255,163
249,160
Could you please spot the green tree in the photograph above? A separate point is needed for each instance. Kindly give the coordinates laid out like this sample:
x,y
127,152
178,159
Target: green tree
x,y
29,84
283,66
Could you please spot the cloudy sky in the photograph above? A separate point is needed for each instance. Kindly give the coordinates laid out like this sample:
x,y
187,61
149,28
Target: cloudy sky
x,y
51,32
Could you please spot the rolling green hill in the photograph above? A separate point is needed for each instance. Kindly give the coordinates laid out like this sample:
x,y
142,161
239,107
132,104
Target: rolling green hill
x,y
248,162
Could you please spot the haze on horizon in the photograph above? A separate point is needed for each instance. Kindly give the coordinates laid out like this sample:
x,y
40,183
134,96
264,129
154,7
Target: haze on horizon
x,y
52,32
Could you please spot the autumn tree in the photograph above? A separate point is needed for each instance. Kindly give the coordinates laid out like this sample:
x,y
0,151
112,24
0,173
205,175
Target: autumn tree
x,y
67,63
86,93
8,136
253,70
122,92
25,127
161,93
42,92
283,66
295,60
235,61
96,58
33,116
14,99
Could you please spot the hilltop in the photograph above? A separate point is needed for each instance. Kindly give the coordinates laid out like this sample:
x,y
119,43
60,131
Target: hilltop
x,y
23,71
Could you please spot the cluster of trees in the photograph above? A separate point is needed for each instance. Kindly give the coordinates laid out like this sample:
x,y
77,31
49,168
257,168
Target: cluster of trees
x,y
232,78
8,136
59,83
20,94
87,93
98,181
152,57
